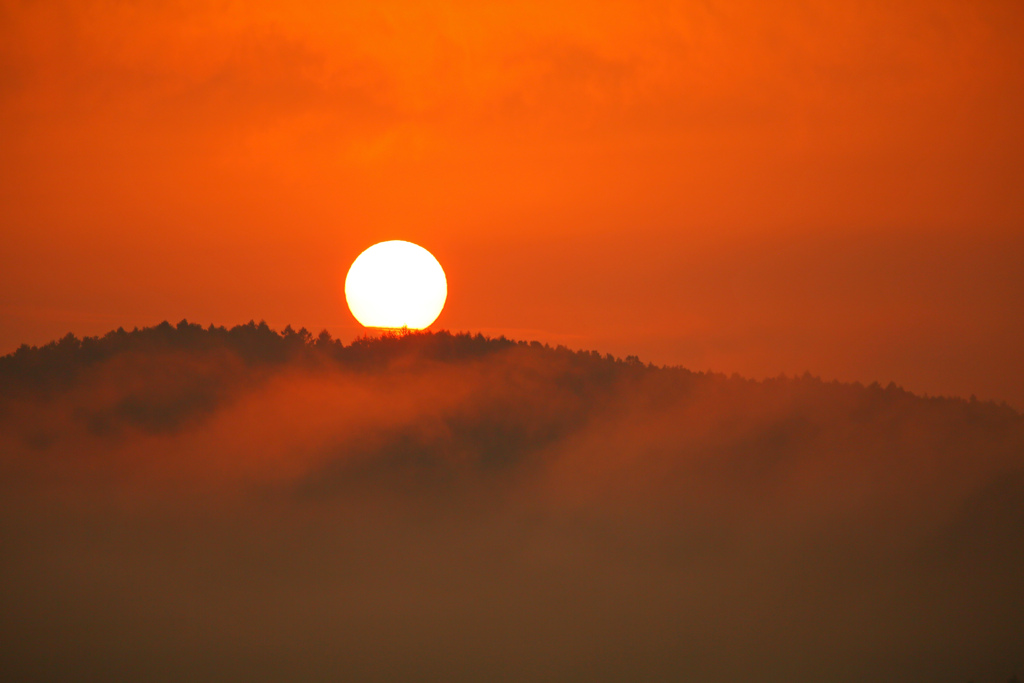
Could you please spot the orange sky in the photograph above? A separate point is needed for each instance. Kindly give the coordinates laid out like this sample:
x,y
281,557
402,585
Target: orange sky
x,y
744,186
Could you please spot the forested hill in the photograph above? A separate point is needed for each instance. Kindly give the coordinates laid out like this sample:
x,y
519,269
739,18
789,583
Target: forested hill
x,y
60,362
278,506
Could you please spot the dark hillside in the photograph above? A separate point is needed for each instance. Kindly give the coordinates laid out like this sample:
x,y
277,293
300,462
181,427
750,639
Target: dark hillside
x,y
241,504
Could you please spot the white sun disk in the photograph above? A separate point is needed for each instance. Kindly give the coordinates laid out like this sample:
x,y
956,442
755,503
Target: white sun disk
x,y
396,284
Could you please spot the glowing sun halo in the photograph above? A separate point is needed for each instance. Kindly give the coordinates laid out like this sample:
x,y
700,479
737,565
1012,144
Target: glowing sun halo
x,y
396,284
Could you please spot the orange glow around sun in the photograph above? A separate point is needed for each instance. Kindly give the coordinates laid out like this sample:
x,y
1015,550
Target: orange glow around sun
x,y
823,185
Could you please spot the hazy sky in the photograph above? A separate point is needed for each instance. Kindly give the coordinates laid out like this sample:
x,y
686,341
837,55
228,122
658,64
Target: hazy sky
x,y
752,187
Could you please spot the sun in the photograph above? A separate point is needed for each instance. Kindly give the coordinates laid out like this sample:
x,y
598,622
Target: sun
x,y
396,285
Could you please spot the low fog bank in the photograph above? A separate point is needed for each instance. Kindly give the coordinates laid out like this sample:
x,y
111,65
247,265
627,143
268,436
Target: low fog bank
x,y
213,504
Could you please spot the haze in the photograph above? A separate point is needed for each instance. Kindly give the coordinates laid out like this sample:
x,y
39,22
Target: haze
x,y
234,505
737,186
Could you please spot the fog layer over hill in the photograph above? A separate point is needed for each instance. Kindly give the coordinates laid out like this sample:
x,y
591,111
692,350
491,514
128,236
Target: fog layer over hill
x,y
180,503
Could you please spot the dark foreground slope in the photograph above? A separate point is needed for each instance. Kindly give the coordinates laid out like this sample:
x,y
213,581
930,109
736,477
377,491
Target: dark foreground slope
x,y
187,504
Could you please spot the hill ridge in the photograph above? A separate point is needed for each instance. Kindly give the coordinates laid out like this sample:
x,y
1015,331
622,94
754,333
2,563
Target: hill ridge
x,y
258,343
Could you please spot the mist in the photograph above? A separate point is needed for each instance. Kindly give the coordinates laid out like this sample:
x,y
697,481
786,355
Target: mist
x,y
213,504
